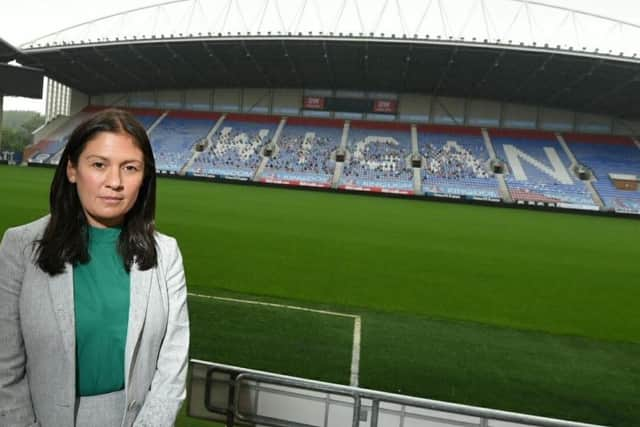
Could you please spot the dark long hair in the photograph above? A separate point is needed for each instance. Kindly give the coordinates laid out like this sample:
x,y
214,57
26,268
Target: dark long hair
x,y
66,237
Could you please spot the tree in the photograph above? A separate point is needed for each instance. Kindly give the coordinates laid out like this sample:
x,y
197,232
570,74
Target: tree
x,y
15,139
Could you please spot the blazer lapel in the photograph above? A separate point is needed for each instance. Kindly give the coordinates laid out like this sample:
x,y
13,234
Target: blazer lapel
x,y
139,297
61,292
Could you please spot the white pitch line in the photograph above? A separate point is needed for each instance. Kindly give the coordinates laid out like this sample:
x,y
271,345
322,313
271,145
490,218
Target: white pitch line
x,y
357,327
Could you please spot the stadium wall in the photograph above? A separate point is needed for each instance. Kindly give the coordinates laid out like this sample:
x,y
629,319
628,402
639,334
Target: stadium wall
x,y
77,102
412,108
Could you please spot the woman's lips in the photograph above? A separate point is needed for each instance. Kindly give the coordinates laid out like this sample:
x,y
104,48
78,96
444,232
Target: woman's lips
x,y
108,199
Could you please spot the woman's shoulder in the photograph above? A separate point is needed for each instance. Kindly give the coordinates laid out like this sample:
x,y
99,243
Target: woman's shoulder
x,y
167,245
164,240
28,232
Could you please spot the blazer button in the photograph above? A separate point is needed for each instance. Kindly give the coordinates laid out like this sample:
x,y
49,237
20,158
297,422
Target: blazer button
x,y
133,405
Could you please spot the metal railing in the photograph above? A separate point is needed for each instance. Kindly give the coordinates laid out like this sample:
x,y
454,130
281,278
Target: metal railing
x,y
237,396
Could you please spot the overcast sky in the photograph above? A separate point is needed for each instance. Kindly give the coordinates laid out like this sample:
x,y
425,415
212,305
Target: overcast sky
x,y
24,20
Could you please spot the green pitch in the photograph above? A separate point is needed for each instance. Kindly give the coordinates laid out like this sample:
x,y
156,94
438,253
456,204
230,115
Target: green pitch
x,y
526,311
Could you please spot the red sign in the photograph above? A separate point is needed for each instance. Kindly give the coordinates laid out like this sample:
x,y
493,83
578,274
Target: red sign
x,y
313,102
385,106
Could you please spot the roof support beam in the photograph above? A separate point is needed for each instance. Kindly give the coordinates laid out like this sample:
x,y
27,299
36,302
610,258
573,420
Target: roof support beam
x,y
328,63
365,65
259,68
494,65
119,67
143,58
86,69
532,75
445,73
405,70
617,88
292,64
575,82
220,63
194,72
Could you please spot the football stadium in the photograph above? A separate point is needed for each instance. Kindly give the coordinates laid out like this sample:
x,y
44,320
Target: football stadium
x,y
391,213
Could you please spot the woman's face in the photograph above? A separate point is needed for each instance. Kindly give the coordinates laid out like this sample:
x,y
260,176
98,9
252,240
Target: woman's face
x,y
108,176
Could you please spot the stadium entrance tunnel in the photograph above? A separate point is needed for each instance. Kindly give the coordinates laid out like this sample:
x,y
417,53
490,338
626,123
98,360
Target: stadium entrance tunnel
x,y
583,173
498,166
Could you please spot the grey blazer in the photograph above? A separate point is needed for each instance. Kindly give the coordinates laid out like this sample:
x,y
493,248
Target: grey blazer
x,y
37,338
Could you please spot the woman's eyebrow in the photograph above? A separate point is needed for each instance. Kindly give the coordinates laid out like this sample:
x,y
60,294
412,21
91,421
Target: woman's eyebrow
x,y
97,156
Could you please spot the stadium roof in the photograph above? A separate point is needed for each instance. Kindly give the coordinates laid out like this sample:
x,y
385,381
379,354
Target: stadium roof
x,y
506,50
7,52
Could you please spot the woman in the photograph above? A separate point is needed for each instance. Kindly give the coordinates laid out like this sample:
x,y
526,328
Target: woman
x,y
93,314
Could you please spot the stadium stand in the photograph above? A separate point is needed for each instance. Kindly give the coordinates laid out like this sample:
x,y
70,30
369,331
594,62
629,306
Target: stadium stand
x,y
455,160
455,163
378,157
147,119
236,148
175,136
304,152
49,149
539,170
605,155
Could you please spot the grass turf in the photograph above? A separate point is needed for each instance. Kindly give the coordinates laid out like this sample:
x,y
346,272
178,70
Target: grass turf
x,y
516,310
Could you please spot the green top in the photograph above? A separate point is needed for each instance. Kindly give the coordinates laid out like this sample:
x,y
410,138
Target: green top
x,y
101,295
